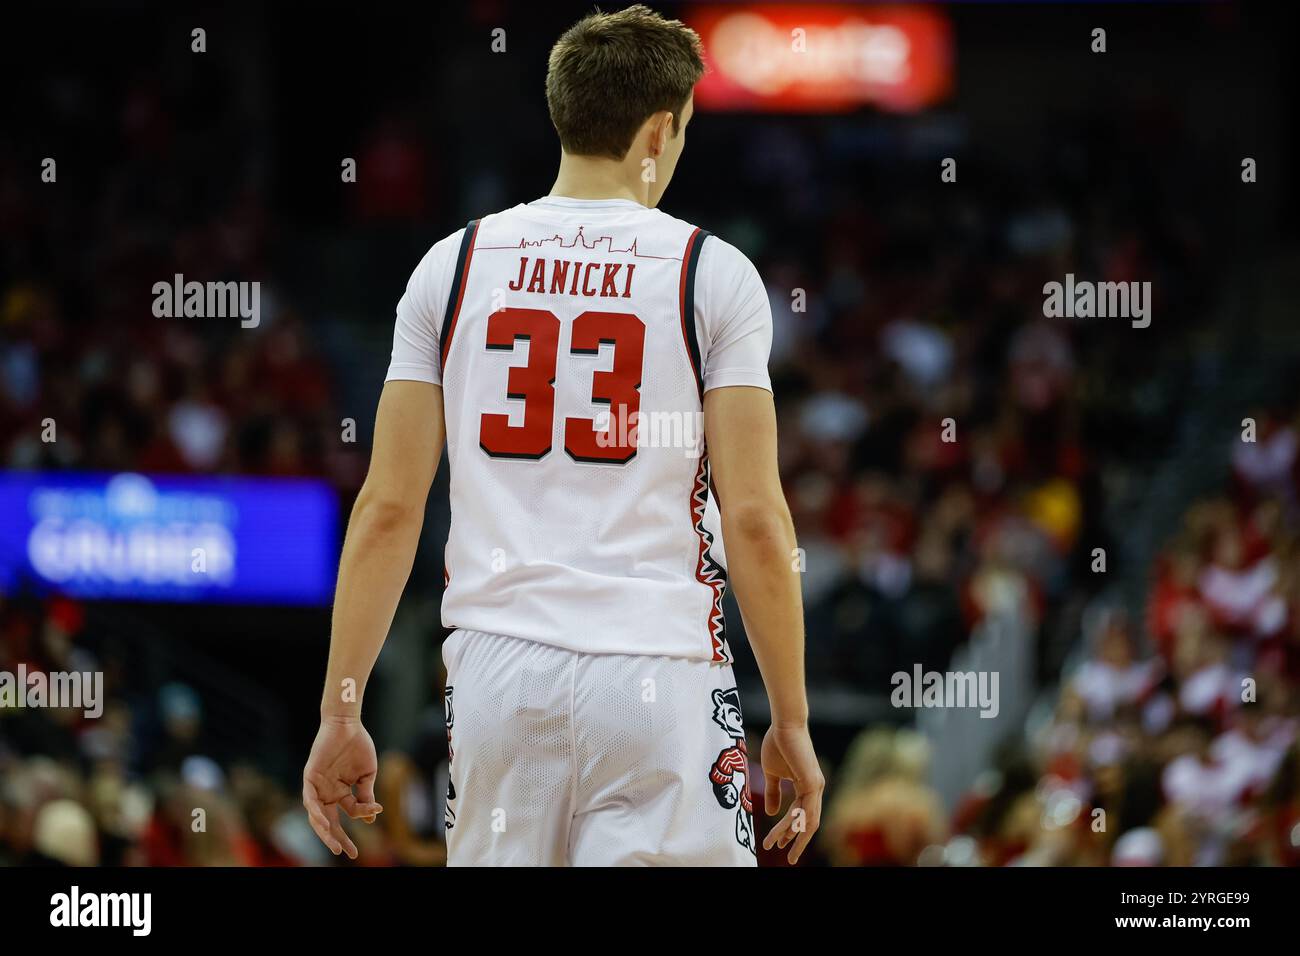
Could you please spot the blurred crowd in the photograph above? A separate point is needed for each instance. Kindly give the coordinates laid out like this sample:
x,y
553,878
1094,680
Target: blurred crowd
x,y
1170,744
946,449
89,378
152,781
170,396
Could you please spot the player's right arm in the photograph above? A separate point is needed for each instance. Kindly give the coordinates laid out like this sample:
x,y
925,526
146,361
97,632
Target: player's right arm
x,y
757,531
378,553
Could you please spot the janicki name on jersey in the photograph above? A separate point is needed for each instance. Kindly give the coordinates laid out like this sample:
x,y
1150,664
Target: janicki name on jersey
x,y
606,280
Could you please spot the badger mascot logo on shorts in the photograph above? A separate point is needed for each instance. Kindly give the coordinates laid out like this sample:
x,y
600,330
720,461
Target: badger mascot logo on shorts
x,y
449,818
732,761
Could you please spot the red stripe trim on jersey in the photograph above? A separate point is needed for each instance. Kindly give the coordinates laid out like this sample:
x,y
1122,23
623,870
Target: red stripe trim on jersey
x,y
686,304
707,570
459,281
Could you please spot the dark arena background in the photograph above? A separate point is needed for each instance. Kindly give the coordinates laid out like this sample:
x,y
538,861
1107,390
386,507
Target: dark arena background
x,y
1099,512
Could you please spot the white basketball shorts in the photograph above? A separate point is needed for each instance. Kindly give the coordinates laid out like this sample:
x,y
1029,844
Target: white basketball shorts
x,y
567,759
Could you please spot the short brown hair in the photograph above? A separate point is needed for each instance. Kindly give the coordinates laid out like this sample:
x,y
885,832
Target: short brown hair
x,y
610,72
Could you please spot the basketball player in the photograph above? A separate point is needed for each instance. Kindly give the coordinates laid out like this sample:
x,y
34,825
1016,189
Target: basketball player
x,y
568,350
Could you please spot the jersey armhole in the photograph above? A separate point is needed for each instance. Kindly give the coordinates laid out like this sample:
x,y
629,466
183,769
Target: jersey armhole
x,y
457,291
686,297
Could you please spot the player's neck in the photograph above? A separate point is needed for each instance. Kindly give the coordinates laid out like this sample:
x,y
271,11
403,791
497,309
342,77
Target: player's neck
x,y
591,177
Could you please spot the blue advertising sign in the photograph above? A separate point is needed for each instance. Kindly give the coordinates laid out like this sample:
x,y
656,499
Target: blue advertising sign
x,y
168,538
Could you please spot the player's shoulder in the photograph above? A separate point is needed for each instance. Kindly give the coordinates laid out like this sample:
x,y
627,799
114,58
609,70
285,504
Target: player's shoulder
x,y
434,262
725,257
450,244
668,221
509,214
724,262
448,250
715,252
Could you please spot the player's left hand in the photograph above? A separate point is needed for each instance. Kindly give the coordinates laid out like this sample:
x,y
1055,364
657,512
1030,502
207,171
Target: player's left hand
x,y
342,757
788,754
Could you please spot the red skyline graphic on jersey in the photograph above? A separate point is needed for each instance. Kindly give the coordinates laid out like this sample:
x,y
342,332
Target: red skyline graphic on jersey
x,y
580,237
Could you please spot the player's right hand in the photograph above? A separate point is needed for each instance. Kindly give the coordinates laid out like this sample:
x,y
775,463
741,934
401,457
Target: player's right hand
x,y
342,757
788,754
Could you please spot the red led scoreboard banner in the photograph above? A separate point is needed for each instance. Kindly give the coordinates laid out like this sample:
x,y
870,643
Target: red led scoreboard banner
x,y
823,58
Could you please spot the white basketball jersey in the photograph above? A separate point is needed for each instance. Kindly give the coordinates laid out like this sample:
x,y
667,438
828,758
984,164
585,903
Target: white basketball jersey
x,y
574,341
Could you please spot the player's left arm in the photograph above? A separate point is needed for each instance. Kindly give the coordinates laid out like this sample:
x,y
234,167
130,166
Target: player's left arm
x,y
378,553
740,428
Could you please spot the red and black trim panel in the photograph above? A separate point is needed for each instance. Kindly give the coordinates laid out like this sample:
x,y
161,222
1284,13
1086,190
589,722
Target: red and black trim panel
x,y
457,295
686,297
707,569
